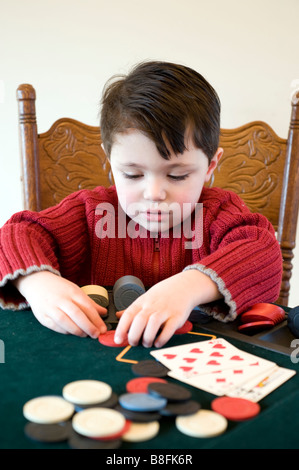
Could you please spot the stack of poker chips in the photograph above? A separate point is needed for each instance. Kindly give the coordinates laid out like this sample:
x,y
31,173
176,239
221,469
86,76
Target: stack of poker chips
x,y
90,415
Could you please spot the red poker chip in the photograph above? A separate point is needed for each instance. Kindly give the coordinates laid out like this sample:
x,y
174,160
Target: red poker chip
x,y
187,326
267,308
140,384
264,312
256,326
235,409
107,339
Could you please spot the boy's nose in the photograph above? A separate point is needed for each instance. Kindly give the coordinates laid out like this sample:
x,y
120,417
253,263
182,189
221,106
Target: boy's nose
x,y
154,190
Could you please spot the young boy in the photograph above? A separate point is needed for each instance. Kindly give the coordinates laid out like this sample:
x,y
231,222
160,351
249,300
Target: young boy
x,y
160,128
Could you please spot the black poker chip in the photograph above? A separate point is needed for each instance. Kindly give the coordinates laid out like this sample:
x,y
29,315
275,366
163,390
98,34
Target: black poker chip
x,y
188,407
170,391
125,290
111,402
76,441
139,416
57,432
293,321
149,368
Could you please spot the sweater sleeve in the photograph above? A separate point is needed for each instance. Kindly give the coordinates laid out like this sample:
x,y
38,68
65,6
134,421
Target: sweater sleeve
x,y
245,259
38,241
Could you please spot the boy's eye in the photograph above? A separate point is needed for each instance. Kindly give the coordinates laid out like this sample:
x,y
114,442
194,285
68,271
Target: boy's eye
x,y
178,177
131,176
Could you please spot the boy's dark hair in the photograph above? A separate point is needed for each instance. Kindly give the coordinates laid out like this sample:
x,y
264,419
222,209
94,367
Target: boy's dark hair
x,y
163,100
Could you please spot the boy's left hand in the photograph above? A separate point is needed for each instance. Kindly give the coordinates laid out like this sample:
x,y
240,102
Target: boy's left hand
x,y
165,306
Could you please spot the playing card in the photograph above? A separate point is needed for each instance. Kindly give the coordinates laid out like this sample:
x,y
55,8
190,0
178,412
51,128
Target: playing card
x,y
222,382
203,356
206,357
260,386
215,366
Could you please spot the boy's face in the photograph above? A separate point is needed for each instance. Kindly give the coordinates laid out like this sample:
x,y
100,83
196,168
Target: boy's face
x,y
156,193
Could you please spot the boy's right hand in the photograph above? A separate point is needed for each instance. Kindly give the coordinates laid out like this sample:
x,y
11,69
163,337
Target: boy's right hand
x,y
61,305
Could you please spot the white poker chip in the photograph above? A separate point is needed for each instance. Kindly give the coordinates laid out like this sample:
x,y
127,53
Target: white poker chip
x,y
87,392
139,432
48,410
98,422
203,423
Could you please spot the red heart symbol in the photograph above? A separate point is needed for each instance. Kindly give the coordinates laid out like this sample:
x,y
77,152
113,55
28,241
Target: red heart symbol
x,y
196,350
186,369
169,356
236,358
219,346
238,371
220,380
216,354
213,363
255,364
189,359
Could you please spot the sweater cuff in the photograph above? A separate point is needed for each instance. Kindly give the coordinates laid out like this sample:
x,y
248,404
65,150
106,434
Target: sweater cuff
x,y
224,310
10,297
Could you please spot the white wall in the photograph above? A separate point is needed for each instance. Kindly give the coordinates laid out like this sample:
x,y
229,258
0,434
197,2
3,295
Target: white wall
x,y
67,49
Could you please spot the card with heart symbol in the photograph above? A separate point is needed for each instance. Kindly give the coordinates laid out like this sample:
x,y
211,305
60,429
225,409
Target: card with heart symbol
x,y
215,365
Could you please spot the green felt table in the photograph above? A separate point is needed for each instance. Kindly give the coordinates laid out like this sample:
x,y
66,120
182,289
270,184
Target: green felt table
x,y
37,361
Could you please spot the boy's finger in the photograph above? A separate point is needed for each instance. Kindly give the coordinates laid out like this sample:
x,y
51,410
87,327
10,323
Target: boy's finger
x,y
124,323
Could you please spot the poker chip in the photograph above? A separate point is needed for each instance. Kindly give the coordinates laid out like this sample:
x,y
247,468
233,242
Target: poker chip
x,y
139,416
235,409
57,432
188,407
116,435
203,423
139,432
293,321
48,410
110,403
264,312
150,368
185,328
107,339
98,422
169,391
87,392
140,384
141,402
125,290
256,326
76,441
97,293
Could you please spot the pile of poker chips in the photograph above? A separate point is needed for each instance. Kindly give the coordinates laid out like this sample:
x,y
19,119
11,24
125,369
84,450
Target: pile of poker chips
x,y
90,415
261,316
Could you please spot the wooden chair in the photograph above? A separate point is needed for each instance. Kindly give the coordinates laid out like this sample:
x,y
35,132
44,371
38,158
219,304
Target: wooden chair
x,y
257,164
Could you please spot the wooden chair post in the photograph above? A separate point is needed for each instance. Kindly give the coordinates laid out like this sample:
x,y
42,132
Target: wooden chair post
x,y
288,210
29,146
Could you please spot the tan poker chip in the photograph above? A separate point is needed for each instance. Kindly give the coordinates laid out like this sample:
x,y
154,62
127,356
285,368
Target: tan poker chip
x,y
139,432
203,423
98,293
48,410
98,422
87,392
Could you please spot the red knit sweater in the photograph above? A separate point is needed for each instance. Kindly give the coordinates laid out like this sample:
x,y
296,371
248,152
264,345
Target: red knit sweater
x,y
239,250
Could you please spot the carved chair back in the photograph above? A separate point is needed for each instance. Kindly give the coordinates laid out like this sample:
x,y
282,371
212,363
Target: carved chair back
x,y
257,164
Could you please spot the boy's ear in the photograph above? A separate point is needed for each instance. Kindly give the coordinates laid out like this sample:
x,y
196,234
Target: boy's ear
x,y
103,148
214,163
